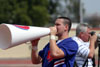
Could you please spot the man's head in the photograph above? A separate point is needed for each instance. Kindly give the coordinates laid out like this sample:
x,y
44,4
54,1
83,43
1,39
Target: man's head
x,y
63,24
83,32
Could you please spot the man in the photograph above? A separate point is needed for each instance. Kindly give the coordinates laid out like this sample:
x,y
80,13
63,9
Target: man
x,y
86,47
60,54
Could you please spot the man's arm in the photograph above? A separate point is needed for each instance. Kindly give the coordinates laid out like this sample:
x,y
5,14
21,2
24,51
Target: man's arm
x,y
36,59
56,52
92,45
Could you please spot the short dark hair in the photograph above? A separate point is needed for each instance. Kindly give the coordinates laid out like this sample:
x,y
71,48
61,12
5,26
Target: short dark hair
x,y
66,21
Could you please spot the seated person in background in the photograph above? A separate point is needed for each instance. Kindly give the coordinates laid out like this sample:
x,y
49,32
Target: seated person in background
x,y
86,44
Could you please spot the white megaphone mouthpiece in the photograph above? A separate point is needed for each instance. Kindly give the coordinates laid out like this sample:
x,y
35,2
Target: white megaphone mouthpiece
x,y
13,35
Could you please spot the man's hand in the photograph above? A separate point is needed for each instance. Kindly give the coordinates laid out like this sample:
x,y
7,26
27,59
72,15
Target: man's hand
x,y
35,42
92,46
36,59
53,30
93,38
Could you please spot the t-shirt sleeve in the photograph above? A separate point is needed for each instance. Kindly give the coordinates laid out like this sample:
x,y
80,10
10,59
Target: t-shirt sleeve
x,y
83,51
41,52
69,48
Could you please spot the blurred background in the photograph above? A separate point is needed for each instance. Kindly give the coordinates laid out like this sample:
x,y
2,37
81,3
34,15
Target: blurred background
x,y
42,13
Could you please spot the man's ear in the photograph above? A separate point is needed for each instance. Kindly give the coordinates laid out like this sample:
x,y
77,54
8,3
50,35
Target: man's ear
x,y
66,27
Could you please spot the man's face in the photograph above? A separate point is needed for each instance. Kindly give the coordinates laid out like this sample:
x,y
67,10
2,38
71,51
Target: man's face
x,y
60,26
86,35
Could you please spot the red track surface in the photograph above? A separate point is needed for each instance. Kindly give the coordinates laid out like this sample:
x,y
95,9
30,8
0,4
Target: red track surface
x,y
20,61
15,61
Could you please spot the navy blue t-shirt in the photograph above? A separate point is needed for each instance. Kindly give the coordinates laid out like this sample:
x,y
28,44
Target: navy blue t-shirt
x,y
69,48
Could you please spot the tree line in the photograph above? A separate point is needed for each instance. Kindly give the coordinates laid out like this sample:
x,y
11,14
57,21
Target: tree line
x,y
38,12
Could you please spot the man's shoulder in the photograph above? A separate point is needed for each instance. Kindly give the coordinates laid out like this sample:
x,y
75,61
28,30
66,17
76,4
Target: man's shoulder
x,y
70,41
78,40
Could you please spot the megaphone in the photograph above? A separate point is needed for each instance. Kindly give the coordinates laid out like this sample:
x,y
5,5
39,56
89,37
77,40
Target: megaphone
x,y
13,35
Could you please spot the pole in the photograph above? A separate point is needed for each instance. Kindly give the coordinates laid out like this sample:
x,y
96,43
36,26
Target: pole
x,y
81,12
98,51
98,40
99,55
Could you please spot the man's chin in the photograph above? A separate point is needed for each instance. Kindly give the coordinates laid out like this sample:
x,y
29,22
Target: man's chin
x,y
86,41
57,35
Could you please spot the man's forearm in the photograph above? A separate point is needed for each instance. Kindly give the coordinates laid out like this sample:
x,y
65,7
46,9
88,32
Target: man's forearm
x,y
92,49
56,52
35,57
